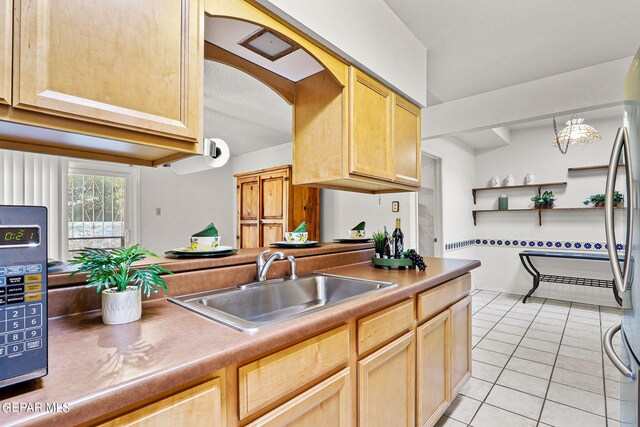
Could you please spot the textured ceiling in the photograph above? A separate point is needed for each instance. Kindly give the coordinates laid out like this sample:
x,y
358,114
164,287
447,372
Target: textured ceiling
x,y
478,46
243,111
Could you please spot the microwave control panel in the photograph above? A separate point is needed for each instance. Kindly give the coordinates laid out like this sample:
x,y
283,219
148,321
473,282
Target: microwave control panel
x,y
23,293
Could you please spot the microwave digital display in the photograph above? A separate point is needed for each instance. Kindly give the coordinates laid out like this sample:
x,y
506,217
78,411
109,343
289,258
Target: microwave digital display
x,y
19,236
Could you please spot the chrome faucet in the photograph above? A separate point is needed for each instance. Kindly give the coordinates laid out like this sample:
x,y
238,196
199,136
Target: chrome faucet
x,y
262,265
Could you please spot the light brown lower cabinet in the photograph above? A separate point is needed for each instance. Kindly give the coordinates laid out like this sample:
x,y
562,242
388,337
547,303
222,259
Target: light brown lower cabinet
x,y
326,404
386,385
433,369
383,367
197,406
460,344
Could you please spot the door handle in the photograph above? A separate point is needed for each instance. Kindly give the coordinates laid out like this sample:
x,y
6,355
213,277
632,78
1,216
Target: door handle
x,y
607,345
620,275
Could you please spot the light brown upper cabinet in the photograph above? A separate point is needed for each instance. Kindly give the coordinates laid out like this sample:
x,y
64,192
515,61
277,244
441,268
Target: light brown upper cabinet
x,y
406,141
371,146
123,71
6,17
269,206
360,137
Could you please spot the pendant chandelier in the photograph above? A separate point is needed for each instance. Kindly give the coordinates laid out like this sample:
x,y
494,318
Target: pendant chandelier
x,y
576,132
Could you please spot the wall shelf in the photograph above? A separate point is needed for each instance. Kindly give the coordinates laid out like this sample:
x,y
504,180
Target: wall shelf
x,y
507,187
539,211
591,168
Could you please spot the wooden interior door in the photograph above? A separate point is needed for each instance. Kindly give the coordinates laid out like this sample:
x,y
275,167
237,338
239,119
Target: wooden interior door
x,y
248,212
371,145
433,369
460,344
327,404
386,385
274,206
198,406
134,64
406,141
6,39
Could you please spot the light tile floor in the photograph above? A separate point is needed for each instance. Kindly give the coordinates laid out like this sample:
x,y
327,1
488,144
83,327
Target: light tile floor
x,y
538,364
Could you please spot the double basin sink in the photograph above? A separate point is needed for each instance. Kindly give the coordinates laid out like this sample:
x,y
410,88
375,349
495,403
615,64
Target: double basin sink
x,y
252,307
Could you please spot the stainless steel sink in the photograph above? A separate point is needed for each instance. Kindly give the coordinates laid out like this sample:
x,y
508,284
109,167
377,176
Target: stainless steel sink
x,y
249,308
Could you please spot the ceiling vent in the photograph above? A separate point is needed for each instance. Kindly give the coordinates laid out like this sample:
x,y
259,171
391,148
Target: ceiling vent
x,y
268,44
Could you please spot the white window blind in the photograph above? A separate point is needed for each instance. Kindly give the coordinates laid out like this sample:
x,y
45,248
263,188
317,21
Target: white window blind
x,y
38,180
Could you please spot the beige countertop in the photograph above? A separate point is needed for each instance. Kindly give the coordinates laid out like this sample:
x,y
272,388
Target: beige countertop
x,y
98,369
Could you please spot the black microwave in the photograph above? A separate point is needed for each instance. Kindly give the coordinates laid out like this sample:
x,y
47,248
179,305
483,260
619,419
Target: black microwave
x,y
23,293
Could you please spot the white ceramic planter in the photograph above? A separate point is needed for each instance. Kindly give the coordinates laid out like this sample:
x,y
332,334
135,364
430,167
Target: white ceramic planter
x,y
121,307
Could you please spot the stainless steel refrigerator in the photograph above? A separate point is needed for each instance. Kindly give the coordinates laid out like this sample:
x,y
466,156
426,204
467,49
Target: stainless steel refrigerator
x,y
626,148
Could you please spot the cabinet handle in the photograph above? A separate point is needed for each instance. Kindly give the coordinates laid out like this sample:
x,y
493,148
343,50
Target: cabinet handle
x,y
607,344
620,276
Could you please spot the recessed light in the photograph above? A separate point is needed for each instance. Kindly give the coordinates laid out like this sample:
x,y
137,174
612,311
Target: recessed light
x,y
268,44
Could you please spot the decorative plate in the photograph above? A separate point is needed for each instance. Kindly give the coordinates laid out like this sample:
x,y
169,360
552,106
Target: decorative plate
x,y
353,240
283,244
51,263
190,251
200,254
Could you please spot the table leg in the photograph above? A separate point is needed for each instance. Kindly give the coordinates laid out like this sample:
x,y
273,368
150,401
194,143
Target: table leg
x,y
535,274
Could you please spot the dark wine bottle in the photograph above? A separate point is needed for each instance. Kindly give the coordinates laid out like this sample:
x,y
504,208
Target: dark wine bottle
x,y
398,240
387,245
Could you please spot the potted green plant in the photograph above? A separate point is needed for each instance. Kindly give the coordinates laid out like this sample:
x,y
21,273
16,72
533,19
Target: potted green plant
x,y
598,200
379,242
121,286
544,201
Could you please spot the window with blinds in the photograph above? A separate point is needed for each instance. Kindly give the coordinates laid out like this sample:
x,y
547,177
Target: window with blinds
x,y
96,205
89,203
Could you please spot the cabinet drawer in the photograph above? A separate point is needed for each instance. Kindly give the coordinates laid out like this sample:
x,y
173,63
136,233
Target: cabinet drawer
x,y
268,379
379,327
328,404
435,300
197,406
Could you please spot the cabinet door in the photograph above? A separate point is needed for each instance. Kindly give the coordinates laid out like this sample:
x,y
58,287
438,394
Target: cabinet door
x,y
371,145
274,206
406,142
198,406
248,212
386,385
6,37
460,344
327,404
433,369
135,64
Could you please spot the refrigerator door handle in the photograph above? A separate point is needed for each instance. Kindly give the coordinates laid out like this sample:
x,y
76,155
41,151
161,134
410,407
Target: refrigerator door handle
x,y
607,344
620,276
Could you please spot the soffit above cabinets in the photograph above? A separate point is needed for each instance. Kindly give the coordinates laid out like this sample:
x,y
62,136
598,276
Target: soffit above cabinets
x,y
229,33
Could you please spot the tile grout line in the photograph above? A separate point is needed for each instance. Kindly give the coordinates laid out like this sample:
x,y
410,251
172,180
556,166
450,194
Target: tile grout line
x,y
553,367
510,356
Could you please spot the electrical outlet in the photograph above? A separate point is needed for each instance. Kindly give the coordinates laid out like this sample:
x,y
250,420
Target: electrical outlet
x,y
158,211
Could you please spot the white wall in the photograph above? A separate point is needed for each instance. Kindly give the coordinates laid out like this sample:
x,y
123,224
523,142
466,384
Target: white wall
x,y
531,151
340,210
367,33
188,204
458,178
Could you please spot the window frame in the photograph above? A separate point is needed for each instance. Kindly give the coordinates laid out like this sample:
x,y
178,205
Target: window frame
x,y
130,173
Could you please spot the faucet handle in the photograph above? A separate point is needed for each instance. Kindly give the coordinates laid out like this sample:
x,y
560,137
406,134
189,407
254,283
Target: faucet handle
x,y
263,253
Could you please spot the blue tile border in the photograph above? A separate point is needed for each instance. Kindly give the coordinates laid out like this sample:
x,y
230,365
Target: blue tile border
x,y
454,246
531,244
